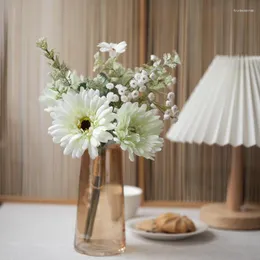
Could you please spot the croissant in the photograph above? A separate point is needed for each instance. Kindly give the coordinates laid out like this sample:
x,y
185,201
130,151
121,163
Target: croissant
x,y
148,226
162,220
174,223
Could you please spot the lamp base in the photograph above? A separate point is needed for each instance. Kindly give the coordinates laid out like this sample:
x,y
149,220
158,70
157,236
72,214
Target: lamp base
x,y
217,215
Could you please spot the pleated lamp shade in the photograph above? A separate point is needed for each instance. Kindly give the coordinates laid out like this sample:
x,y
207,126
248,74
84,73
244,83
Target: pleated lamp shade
x,y
224,108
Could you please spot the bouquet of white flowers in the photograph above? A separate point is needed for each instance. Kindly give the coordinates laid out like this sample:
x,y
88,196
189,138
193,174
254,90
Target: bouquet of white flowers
x,y
117,105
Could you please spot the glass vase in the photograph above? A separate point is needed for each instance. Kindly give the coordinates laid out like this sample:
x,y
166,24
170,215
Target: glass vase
x,y
100,224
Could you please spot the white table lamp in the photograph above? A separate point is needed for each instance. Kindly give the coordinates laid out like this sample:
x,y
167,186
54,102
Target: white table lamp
x,y
223,109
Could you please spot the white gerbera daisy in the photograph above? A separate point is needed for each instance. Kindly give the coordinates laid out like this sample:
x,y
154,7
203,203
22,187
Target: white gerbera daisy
x,y
138,130
81,121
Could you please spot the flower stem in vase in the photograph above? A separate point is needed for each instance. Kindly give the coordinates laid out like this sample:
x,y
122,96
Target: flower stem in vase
x,y
97,180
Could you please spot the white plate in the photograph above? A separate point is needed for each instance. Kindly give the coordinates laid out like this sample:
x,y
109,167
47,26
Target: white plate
x,y
130,225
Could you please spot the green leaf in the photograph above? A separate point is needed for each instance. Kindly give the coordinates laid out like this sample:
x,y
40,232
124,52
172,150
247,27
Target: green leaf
x,y
168,80
118,68
157,86
114,79
127,77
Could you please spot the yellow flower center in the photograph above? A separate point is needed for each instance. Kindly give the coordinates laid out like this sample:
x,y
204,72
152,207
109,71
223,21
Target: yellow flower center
x,y
84,124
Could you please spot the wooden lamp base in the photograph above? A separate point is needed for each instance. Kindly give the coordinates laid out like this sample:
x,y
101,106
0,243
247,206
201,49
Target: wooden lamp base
x,y
218,215
233,214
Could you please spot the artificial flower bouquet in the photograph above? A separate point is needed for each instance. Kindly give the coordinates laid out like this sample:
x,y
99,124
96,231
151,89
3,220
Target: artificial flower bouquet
x,y
117,105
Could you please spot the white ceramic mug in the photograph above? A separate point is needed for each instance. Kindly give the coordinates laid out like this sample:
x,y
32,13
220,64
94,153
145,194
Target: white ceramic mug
x,y
132,197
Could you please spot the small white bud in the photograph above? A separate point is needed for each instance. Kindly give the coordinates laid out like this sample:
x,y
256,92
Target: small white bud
x,y
144,73
166,117
144,79
142,88
115,98
138,76
110,96
118,86
153,57
151,96
133,83
109,86
121,90
170,96
174,109
152,76
124,98
135,94
173,80
169,103
153,105
157,63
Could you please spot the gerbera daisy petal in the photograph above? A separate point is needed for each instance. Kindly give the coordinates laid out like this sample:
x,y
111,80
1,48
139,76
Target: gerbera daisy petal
x,y
93,152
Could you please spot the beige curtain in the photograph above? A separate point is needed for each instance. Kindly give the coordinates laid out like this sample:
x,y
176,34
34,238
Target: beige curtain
x,y
31,165
3,48
199,30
